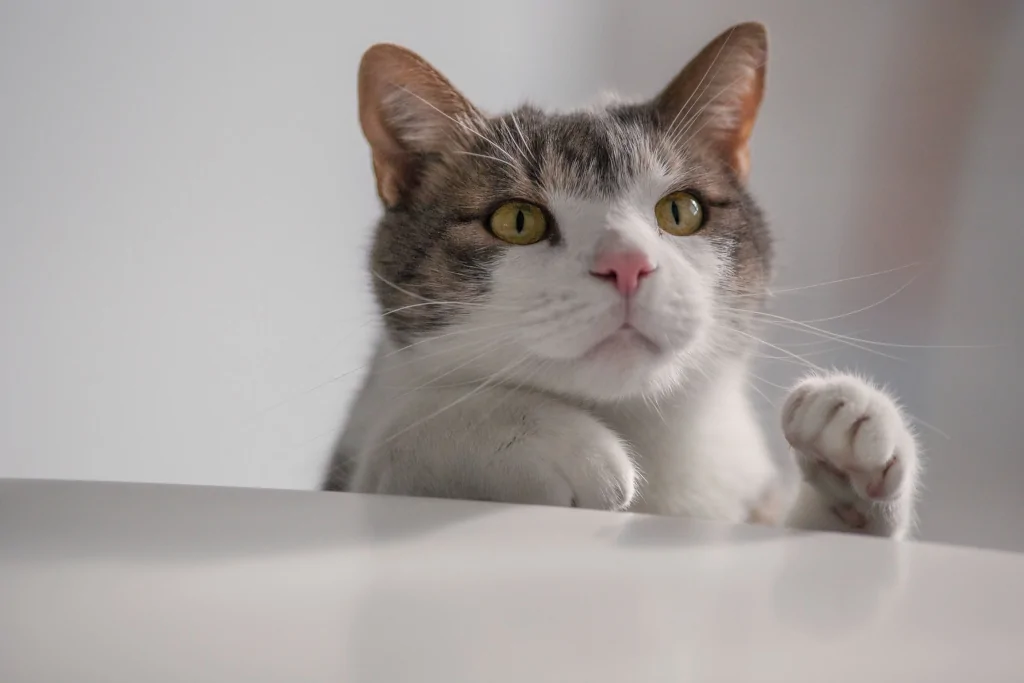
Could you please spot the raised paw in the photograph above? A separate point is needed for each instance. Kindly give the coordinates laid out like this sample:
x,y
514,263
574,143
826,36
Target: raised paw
x,y
853,445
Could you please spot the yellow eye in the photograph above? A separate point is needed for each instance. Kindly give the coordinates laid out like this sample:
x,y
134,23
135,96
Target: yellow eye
x,y
679,214
519,223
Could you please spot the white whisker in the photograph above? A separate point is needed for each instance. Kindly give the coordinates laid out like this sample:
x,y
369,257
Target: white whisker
x,y
786,323
853,278
786,359
262,413
790,324
686,104
488,349
522,137
391,284
461,124
435,303
468,330
540,364
864,308
927,425
759,391
792,355
512,138
465,397
485,156
677,137
771,384
789,290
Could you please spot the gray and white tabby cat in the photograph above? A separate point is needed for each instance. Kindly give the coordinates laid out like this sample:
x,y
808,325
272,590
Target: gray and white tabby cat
x,y
569,304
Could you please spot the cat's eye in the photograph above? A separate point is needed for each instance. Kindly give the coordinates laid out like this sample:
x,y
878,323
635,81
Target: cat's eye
x,y
679,214
519,223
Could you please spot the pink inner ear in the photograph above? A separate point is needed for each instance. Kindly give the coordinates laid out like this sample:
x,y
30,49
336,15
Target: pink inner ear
x,y
388,184
723,87
405,105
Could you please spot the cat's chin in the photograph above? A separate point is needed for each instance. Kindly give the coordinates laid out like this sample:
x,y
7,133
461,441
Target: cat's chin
x,y
623,364
619,376
625,344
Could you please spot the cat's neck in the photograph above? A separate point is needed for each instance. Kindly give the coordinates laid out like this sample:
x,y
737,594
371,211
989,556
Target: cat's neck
x,y
726,381
700,447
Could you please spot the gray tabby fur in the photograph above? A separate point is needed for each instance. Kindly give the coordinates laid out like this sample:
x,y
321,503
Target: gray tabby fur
x,y
679,436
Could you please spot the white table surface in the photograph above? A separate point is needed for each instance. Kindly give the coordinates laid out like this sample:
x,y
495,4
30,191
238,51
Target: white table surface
x,y
122,582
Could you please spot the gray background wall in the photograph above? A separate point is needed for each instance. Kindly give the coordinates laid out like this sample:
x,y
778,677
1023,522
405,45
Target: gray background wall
x,y
185,201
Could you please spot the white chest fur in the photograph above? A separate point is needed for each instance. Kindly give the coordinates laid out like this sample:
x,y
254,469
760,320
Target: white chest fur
x,y
701,453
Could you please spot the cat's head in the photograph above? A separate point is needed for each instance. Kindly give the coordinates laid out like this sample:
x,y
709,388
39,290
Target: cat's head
x,y
607,252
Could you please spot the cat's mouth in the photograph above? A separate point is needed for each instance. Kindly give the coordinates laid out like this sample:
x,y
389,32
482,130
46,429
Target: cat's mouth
x,y
625,339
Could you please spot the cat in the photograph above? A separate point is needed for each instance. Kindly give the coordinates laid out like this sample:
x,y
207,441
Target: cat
x,y
570,303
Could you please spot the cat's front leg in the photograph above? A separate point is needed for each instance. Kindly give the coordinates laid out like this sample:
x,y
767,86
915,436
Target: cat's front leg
x,y
857,455
499,445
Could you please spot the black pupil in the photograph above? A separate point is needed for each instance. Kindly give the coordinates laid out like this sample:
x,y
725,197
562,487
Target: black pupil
x,y
675,212
520,220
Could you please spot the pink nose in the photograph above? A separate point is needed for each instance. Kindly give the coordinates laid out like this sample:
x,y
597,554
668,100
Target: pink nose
x,y
625,268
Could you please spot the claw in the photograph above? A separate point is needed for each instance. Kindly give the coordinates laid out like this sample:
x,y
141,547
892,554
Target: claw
x,y
850,516
876,489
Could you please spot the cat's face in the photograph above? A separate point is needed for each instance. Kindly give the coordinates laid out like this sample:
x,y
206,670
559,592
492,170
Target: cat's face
x,y
605,253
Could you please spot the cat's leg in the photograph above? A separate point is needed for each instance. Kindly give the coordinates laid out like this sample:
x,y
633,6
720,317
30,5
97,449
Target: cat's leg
x,y
857,455
499,445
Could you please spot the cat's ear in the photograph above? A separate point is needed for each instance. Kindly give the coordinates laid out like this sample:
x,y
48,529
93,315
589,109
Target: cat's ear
x,y
406,109
717,95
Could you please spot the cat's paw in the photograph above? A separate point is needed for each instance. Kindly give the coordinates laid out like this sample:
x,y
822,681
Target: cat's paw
x,y
854,446
535,451
597,467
